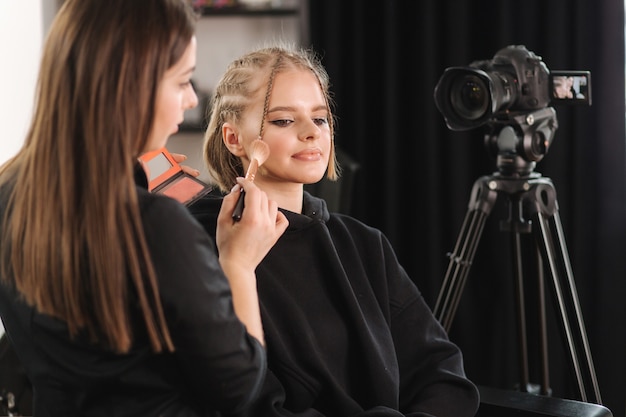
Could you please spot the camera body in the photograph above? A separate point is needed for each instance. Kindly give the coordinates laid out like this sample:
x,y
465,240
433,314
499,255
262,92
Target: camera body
x,y
515,80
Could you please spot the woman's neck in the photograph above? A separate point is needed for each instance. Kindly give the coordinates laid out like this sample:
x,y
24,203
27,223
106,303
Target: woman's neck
x,y
287,195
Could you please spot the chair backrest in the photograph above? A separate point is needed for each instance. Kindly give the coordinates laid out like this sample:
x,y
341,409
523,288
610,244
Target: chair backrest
x,y
338,194
508,403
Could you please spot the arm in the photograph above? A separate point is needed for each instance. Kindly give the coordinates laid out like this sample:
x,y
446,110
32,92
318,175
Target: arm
x,y
243,245
265,225
432,376
221,363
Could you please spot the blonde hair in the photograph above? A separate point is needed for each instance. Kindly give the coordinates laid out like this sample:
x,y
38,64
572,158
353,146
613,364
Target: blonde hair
x,y
73,242
247,79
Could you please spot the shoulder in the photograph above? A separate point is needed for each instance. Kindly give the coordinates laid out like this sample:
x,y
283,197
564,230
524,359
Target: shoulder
x,y
165,218
181,249
156,206
354,226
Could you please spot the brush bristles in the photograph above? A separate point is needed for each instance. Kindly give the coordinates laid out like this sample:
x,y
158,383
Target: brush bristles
x,y
260,151
259,154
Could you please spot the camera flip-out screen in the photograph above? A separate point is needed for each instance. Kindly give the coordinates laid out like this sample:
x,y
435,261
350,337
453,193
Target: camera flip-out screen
x,y
571,87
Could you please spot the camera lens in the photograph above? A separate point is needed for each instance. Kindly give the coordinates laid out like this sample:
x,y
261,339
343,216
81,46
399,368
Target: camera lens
x,y
469,97
466,97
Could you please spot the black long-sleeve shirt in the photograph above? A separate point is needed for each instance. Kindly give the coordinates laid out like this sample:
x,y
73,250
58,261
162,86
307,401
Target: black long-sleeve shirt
x,y
216,365
347,331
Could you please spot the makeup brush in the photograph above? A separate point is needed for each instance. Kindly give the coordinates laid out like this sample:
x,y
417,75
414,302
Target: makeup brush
x,y
258,155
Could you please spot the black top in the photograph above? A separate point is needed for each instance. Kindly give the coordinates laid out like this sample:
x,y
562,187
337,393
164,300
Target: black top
x,y
216,365
347,331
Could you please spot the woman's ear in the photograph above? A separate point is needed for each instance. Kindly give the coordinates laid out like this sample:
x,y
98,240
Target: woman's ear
x,y
231,140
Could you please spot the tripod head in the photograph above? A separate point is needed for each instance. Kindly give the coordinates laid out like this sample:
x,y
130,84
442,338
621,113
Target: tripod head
x,y
518,140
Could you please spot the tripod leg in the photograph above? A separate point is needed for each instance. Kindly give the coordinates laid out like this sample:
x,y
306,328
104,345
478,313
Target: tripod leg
x,y
516,224
481,202
547,209
543,328
458,267
521,312
576,304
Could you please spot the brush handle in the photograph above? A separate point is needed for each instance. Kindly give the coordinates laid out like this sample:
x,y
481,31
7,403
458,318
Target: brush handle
x,y
239,206
250,174
252,169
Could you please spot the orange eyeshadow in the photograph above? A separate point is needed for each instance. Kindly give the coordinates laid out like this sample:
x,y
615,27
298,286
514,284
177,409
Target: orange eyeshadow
x,y
182,190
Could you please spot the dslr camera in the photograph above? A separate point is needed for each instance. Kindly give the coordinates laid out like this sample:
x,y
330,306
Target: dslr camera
x,y
515,80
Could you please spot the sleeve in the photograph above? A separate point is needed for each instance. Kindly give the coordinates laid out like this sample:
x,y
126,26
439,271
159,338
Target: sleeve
x,y
221,362
432,376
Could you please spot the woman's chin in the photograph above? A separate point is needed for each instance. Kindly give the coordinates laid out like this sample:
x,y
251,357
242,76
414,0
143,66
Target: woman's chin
x,y
313,179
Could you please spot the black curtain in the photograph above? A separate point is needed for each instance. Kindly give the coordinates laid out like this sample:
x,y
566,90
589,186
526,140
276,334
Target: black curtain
x,y
384,59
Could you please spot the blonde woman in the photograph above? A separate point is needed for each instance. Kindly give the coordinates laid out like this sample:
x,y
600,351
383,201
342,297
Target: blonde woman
x,y
348,332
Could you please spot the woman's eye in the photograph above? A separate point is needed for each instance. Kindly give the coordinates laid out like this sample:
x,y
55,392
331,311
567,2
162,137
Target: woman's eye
x,y
320,120
282,122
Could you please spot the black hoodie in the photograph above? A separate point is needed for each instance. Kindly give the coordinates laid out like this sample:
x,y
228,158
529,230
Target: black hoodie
x,y
348,333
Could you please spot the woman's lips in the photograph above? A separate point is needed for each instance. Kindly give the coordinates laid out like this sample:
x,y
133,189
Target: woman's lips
x,y
308,155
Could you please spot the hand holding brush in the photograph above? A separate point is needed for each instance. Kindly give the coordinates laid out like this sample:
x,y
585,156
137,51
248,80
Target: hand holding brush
x,y
258,155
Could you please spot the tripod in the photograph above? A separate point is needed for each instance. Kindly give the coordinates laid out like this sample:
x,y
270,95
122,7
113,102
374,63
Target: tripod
x,y
533,208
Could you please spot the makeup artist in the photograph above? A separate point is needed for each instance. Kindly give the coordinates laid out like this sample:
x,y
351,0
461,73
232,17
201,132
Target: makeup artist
x,y
348,333
115,299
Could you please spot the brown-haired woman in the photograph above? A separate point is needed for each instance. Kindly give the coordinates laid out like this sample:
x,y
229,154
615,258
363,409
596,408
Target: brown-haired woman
x,y
114,298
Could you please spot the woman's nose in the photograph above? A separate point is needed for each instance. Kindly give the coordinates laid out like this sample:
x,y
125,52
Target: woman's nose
x,y
191,99
310,131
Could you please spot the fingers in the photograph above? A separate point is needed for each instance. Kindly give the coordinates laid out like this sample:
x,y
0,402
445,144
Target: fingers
x,y
255,198
281,222
258,207
179,157
230,200
247,241
191,171
256,203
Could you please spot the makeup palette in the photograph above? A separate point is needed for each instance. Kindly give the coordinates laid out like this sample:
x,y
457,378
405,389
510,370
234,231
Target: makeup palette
x,y
165,176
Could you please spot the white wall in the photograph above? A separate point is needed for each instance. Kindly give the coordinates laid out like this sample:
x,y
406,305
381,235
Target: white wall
x,y
21,36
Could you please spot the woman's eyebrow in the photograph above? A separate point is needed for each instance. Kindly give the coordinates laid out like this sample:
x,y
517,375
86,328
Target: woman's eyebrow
x,y
291,108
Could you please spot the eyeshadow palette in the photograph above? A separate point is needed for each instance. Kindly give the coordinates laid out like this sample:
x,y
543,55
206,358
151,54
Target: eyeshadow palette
x,y
165,176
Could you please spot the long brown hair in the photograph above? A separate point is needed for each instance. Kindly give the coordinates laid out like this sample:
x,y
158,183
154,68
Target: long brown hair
x,y
73,242
246,80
